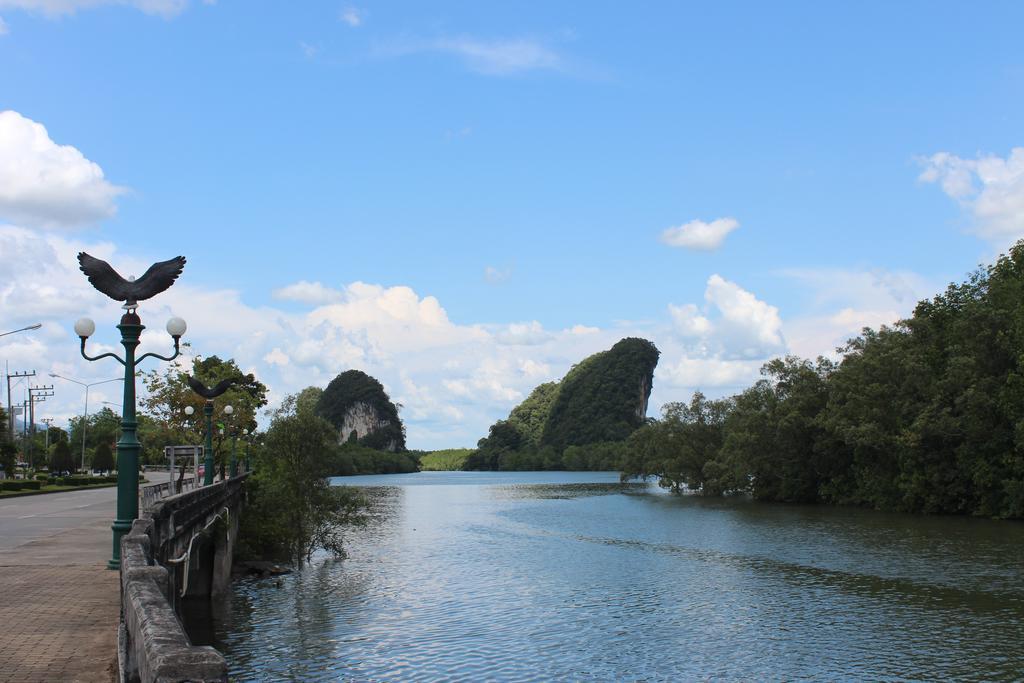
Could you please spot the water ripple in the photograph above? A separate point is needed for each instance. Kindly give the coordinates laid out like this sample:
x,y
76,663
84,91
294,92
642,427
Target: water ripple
x,y
586,580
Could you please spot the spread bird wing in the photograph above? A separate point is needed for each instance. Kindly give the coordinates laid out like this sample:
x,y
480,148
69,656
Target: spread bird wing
x,y
222,386
198,386
206,392
105,278
157,278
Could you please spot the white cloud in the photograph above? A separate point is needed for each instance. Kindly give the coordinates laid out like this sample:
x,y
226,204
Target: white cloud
x,y
454,379
699,235
990,188
501,57
494,57
689,321
710,373
353,16
56,8
310,51
45,184
844,301
744,328
4,30
495,275
524,334
308,293
277,357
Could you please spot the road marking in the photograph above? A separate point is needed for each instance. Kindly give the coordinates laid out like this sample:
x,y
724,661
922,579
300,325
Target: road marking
x,y
26,516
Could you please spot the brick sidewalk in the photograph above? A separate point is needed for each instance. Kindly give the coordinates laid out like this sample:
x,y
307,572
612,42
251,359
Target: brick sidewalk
x,y
59,608
58,624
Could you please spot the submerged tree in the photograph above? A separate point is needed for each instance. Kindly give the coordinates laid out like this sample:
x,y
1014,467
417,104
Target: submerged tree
x,y
293,509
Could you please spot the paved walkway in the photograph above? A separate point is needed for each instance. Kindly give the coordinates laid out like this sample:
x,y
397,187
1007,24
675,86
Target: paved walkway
x,y
59,604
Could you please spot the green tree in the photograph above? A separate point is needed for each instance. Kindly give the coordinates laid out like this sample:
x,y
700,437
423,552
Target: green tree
x,y
8,451
103,457
61,459
773,434
678,448
162,419
293,509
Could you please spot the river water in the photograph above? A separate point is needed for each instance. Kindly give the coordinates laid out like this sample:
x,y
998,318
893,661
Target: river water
x,y
552,576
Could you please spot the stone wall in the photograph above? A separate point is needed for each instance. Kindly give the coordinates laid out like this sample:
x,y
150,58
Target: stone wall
x,y
161,548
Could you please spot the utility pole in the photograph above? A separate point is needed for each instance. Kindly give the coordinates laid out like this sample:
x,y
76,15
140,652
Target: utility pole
x,y
35,394
10,413
47,421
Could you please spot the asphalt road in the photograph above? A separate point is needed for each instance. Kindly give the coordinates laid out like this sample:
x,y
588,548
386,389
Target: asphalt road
x,y
81,518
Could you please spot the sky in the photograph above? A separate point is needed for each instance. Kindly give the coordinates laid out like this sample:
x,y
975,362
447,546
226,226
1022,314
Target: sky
x,y
463,199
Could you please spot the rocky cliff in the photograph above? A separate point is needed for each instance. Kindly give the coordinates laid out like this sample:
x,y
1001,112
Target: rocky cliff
x,y
359,408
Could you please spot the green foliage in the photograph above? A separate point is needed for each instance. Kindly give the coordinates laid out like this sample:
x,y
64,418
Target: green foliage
x,y
353,387
293,509
678,448
163,422
447,460
530,416
602,400
8,451
61,459
927,415
353,458
103,458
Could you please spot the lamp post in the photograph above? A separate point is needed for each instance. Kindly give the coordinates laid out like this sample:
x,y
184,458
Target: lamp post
x,y
248,442
85,413
23,329
128,446
208,464
228,410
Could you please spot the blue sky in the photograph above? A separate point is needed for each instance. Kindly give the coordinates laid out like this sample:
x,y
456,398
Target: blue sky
x,y
514,167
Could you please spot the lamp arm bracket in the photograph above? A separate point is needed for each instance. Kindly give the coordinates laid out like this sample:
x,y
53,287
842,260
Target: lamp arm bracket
x,y
177,352
102,355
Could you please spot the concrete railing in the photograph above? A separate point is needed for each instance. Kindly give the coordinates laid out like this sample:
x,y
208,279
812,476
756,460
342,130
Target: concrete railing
x,y
153,646
192,532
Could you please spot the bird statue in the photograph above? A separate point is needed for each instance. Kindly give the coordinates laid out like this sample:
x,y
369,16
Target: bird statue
x,y
207,392
156,279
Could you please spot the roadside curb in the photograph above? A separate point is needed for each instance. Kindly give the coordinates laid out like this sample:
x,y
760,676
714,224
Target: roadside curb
x,y
19,494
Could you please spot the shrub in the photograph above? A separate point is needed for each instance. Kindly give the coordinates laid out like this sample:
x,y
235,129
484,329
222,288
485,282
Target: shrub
x,y
31,484
43,476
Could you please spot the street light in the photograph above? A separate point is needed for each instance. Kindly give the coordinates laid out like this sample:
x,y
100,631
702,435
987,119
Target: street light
x,y
85,413
208,464
248,442
23,329
128,445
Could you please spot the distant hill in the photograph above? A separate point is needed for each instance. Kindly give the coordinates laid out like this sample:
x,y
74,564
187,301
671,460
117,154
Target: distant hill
x,y
359,408
602,399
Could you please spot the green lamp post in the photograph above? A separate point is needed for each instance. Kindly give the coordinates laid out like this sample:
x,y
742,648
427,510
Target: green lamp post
x,y
234,451
248,442
128,445
208,463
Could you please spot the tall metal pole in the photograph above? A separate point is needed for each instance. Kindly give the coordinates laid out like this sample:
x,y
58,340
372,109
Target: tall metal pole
x,y
234,460
208,461
85,424
128,445
10,411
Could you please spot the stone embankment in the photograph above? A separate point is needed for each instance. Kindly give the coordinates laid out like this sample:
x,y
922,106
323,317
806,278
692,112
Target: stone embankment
x,y
179,548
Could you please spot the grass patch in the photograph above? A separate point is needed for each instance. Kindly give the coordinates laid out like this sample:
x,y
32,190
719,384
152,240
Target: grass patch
x,y
56,488
447,460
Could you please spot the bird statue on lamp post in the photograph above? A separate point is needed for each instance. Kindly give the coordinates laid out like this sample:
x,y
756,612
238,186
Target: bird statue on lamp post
x,y
210,393
159,277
